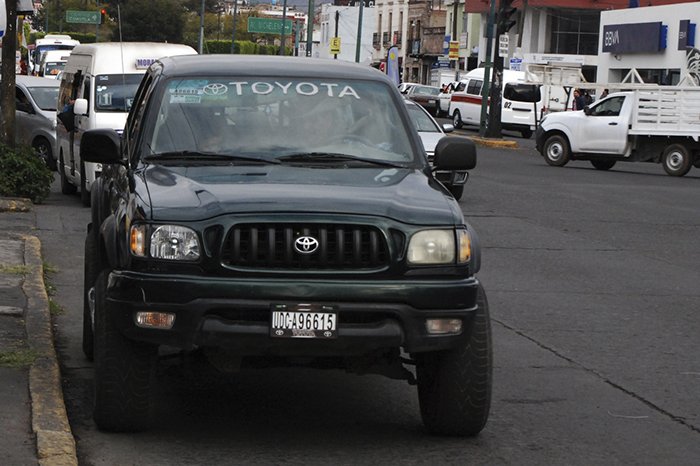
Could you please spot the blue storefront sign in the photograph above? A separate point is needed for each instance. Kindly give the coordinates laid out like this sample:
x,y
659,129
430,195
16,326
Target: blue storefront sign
x,y
686,34
634,38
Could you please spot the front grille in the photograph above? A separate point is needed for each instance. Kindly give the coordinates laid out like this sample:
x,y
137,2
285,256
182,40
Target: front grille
x,y
272,246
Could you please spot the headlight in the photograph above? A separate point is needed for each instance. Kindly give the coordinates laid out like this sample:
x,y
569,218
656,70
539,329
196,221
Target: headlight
x,y
432,247
171,242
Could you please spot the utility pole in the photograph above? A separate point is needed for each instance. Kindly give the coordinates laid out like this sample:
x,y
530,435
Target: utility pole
x,y
337,17
284,18
503,25
359,33
487,70
201,30
454,34
310,28
233,34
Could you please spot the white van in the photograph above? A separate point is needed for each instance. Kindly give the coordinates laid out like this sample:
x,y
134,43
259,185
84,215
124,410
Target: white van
x,y
53,63
521,104
98,85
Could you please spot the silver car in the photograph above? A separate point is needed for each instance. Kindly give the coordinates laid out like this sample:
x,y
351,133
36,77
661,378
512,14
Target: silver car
x,y
35,116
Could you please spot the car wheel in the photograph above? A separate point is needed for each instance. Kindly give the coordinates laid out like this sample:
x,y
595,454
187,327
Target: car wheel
x,y
603,164
124,372
454,386
556,151
676,160
43,149
84,193
457,119
526,133
66,186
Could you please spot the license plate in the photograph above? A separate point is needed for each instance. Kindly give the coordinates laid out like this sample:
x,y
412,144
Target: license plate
x,y
304,321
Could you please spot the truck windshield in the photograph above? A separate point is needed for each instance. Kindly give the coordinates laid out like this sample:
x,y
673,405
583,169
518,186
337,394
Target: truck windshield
x,y
274,117
115,92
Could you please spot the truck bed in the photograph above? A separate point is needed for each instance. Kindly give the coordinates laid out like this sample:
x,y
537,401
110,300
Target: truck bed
x,y
666,112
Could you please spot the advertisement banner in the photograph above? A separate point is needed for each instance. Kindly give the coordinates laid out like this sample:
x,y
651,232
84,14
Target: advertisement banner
x,y
392,64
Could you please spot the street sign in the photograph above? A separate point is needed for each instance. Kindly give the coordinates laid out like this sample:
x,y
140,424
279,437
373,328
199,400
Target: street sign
x,y
516,64
454,50
335,45
268,25
503,45
83,17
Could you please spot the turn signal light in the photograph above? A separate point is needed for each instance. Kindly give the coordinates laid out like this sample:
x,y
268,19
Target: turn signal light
x,y
159,320
443,326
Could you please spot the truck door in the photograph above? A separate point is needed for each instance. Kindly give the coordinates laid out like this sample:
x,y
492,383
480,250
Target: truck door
x,y
605,128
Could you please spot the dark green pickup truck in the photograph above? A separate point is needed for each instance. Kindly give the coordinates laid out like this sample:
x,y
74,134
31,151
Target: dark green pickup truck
x,y
281,211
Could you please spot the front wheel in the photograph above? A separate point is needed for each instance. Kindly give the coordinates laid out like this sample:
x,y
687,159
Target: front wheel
x,y
457,119
676,160
603,164
556,151
43,149
454,386
124,372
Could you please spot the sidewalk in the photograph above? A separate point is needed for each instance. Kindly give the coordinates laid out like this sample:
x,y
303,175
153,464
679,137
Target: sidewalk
x,y
33,421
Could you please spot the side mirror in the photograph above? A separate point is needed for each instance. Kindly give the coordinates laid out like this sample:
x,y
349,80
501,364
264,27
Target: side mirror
x,y
454,153
100,146
448,127
587,110
80,107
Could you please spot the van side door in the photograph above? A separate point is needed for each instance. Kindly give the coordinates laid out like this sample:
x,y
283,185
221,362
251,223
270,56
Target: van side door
x,y
82,122
605,127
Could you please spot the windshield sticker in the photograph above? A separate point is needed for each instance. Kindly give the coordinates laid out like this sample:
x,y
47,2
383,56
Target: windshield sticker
x,y
185,99
300,88
213,89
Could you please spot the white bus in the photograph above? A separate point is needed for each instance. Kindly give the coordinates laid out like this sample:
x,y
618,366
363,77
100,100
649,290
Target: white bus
x,y
46,43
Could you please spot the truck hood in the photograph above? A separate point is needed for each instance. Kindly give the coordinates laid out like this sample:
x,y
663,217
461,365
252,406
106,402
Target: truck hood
x,y
193,193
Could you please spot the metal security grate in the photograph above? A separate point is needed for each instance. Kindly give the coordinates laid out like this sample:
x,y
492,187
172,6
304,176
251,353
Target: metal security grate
x,y
338,247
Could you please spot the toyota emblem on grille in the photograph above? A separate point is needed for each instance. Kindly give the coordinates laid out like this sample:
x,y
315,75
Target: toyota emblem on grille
x,y
306,244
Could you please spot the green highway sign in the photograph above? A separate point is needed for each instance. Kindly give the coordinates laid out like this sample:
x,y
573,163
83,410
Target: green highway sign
x,y
83,17
268,25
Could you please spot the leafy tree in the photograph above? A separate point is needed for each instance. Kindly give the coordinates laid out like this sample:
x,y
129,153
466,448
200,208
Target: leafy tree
x,y
151,20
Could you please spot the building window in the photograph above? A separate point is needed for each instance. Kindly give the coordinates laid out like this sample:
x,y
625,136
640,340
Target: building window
x,y
575,32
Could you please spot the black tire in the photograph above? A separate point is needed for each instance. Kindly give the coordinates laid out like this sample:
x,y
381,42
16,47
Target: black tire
x,y
526,133
677,160
66,187
456,191
454,386
603,164
84,193
91,266
457,119
43,149
124,372
556,150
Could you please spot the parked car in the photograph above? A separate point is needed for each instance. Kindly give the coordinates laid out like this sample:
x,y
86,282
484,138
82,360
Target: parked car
x,y
431,132
426,96
405,87
35,115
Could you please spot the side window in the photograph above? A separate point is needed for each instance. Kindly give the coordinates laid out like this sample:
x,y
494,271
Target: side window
x,y
64,94
86,90
460,87
22,101
609,107
474,87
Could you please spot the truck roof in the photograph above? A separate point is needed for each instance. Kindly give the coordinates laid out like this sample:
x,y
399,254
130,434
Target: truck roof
x,y
106,57
261,65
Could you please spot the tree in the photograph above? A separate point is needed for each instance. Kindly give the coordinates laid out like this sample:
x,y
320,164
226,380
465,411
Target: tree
x,y
150,20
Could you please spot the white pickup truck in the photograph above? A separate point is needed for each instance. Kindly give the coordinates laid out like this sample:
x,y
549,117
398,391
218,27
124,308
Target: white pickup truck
x,y
654,124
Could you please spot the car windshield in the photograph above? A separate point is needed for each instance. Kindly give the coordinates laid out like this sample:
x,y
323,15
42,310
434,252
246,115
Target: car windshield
x,y
422,121
115,92
427,91
277,118
53,68
45,97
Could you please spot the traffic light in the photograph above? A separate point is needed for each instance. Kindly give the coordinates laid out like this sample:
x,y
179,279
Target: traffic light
x,y
506,12
103,16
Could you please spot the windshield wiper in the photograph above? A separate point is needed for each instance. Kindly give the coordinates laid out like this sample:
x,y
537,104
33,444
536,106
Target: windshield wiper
x,y
196,156
331,157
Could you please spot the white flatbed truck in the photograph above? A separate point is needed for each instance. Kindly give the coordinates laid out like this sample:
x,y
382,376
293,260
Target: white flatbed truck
x,y
659,124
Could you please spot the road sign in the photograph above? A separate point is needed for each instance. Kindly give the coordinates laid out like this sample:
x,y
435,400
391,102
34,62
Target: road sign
x,y
503,45
454,50
268,25
516,64
83,17
335,45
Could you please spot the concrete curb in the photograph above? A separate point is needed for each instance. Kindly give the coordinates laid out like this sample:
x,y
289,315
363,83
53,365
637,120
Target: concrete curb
x,y
54,439
492,142
15,204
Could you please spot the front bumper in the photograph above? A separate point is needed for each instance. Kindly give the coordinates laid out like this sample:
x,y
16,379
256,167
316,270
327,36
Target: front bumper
x,y
234,314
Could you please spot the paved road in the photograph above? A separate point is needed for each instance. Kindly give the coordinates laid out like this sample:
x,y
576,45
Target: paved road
x,y
593,284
